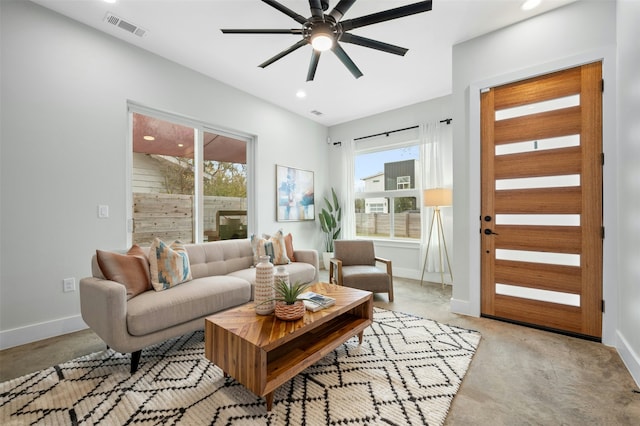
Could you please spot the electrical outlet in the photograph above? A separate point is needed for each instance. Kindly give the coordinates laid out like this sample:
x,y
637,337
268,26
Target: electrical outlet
x,y
69,284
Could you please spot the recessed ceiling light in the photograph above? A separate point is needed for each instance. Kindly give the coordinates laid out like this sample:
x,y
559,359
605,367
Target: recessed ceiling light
x,y
180,145
301,94
149,138
530,4
109,1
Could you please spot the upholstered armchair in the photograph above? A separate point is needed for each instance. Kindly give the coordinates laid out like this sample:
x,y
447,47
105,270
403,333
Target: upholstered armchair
x,y
354,265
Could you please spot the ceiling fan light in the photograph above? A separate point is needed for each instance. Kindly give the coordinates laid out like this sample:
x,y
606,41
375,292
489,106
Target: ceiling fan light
x,y
530,4
322,41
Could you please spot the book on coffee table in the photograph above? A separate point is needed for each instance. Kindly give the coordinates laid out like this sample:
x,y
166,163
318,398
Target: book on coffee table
x,y
315,301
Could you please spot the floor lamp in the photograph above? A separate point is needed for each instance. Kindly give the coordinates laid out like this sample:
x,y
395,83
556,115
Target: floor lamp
x,y
437,197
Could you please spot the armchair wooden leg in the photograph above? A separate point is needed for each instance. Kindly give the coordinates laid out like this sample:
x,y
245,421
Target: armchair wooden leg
x,y
135,359
391,291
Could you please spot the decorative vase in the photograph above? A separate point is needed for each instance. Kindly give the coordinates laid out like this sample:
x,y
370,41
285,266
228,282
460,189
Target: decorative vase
x,y
281,275
293,312
264,291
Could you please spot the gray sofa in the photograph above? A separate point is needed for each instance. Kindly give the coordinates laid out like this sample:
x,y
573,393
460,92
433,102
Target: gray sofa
x,y
223,277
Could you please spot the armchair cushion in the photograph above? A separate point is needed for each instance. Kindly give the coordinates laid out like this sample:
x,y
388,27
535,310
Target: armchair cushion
x,y
355,252
354,265
366,277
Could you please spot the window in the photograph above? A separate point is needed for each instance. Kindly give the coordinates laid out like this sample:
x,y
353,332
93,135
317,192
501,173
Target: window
x,y
403,182
188,182
386,197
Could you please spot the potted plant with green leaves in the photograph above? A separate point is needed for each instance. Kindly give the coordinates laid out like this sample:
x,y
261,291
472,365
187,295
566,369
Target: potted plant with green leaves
x,y
330,219
289,306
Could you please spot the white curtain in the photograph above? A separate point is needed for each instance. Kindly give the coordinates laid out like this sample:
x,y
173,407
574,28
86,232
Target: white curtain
x,y
437,173
348,209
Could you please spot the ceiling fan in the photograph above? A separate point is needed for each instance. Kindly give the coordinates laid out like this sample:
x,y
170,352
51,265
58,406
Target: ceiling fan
x,y
325,31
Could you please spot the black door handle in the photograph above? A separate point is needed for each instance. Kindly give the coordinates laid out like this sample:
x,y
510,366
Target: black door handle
x,y
489,232
487,218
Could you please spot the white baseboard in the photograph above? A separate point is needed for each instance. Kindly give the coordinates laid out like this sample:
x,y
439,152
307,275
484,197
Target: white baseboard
x,y
463,307
433,277
629,357
44,330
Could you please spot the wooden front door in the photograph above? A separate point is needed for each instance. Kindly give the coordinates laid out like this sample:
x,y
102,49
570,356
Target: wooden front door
x,y
541,223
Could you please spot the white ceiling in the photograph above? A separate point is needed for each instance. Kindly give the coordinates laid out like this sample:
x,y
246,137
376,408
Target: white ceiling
x,y
188,32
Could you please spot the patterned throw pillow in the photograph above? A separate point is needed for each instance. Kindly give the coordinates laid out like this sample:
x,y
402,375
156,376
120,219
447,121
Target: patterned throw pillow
x,y
270,245
130,270
169,264
258,247
279,248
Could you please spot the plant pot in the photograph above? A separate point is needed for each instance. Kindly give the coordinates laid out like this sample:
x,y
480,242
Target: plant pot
x,y
325,259
293,312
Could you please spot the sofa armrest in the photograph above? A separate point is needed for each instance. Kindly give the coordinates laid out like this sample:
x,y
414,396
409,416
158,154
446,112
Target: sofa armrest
x,y
103,305
309,256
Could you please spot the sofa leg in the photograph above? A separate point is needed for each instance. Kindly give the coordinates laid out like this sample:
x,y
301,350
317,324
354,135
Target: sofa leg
x,y
135,359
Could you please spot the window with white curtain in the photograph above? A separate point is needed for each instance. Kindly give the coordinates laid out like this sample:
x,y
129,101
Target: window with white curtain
x,y
387,188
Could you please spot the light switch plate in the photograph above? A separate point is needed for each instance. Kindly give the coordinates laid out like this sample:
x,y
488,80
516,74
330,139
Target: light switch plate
x,y
103,211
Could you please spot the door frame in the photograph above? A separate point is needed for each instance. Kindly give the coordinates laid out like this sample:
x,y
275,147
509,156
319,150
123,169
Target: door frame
x,y
472,270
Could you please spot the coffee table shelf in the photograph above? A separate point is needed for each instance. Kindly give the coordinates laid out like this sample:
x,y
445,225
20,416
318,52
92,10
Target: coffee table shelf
x,y
262,352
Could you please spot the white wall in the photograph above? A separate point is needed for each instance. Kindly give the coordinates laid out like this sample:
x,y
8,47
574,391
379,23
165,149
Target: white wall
x,y
64,125
628,210
581,32
407,257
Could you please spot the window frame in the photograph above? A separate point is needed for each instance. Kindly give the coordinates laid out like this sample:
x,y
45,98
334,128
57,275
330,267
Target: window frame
x,y
200,127
376,145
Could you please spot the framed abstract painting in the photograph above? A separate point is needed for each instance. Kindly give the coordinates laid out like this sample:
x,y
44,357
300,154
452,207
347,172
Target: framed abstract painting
x,y
294,194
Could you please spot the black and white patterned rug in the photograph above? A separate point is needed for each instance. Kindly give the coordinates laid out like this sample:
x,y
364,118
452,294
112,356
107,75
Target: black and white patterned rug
x,y
406,372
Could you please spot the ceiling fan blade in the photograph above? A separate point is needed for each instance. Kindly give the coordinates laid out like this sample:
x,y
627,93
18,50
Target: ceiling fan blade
x,y
313,65
386,15
341,9
284,9
316,9
373,44
346,60
262,31
283,53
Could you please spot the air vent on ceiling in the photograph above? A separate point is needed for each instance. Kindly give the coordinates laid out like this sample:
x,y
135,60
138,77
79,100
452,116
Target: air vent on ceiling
x,y
112,19
315,112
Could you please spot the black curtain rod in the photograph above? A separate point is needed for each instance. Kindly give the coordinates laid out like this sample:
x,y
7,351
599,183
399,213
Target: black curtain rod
x,y
446,120
385,133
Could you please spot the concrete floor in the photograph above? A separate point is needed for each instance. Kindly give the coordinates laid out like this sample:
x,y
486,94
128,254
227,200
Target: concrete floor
x,y
518,376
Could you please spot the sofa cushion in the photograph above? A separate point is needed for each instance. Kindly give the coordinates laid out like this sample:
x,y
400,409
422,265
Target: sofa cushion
x,y
169,264
153,311
130,270
219,257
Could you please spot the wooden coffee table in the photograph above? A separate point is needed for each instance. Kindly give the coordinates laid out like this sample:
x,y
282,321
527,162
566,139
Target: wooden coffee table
x,y
262,352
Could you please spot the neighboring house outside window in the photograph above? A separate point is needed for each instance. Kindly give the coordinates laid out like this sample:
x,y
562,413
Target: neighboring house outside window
x,y
386,197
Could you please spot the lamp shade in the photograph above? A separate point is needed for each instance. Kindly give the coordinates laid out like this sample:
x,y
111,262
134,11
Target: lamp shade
x,y
437,197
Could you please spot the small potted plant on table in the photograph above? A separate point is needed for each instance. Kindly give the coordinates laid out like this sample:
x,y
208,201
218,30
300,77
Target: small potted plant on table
x,y
288,306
